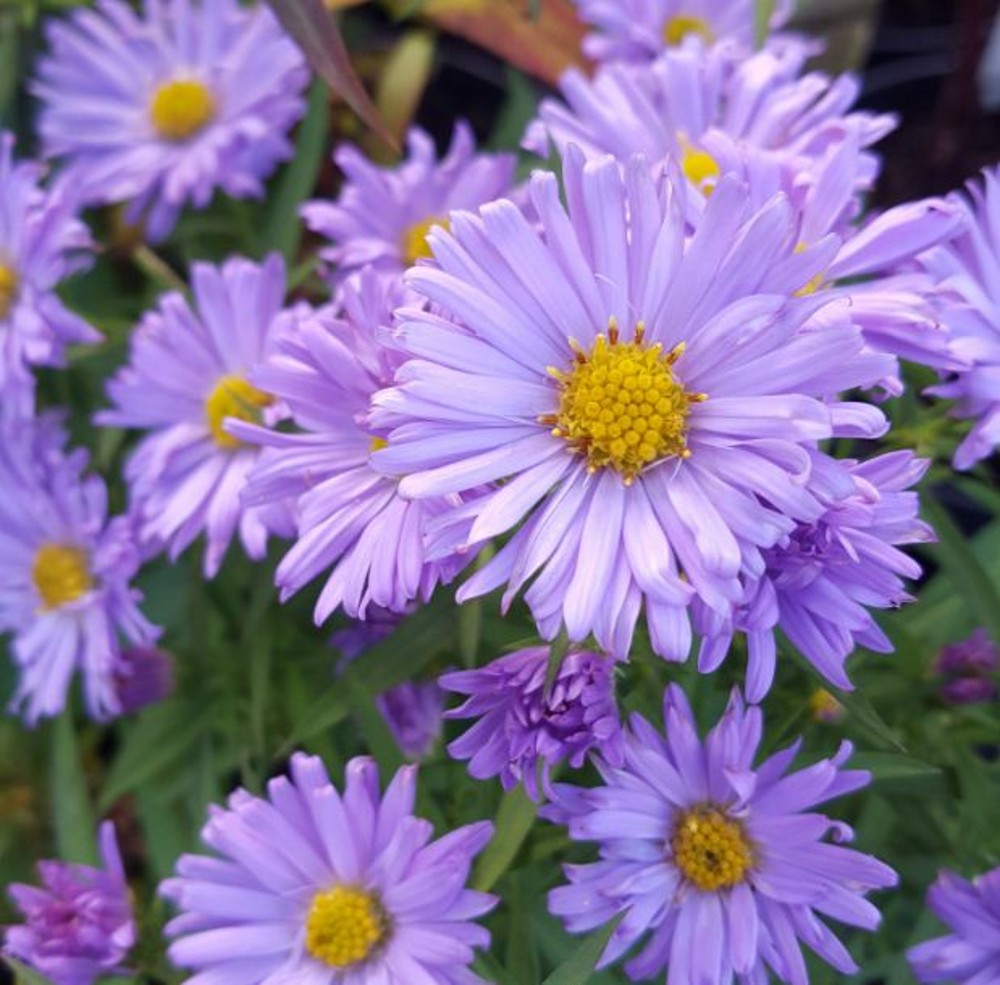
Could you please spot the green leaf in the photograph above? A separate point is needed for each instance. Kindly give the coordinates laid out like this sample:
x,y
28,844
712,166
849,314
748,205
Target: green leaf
x,y
892,766
513,822
23,975
580,966
73,813
283,228
376,733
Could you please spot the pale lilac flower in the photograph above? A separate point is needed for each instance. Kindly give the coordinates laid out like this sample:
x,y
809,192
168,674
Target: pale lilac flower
x,y
650,400
318,888
382,215
820,582
187,376
160,107
351,519
970,954
639,29
968,270
64,576
414,714
41,243
968,669
78,925
526,723
724,865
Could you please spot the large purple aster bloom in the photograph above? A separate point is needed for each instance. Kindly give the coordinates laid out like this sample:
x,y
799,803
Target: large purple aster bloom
x,y
524,719
651,401
318,888
969,302
638,29
351,518
41,243
162,107
970,954
186,377
726,866
820,581
78,926
382,215
64,576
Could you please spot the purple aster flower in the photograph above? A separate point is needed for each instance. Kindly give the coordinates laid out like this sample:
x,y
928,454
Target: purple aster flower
x,y
64,576
186,377
650,400
970,955
968,269
145,677
526,720
969,670
362,634
161,107
319,888
639,29
413,712
820,581
382,215
350,517
78,926
41,243
726,866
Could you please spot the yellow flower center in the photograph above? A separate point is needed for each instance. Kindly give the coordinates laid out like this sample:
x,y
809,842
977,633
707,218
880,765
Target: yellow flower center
x,y
345,926
60,574
415,245
824,707
234,397
181,108
9,283
712,850
377,444
621,405
678,28
700,168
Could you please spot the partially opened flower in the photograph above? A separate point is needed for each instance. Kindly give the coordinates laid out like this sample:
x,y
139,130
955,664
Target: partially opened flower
x,y
726,867
637,29
649,402
382,215
529,717
187,376
970,954
41,242
64,576
78,925
321,888
160,107
414,714
968,670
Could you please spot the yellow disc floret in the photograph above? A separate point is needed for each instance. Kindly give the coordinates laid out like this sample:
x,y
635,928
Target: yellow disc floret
x,y
700,168
9,283
234,397
179,109
415,245
61,574
711,849
621,404
678,28
345,925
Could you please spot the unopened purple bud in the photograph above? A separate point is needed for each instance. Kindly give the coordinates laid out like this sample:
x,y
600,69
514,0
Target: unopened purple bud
x,y
144,677
967,668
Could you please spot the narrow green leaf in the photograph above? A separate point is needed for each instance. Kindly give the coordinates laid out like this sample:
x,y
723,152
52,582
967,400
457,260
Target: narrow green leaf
x,y
579,968
763,9
282,227
23,975
513,822
892,766
73,813
376,733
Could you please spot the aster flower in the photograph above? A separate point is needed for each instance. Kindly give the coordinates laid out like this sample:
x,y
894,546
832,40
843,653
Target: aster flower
x,y
413,712
186,377
968,670
351,519
64,576
41,243
162,107
651,401
638,29
821,581
525,720
319,888
382,215
78,925
970,955
724,865
968,269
